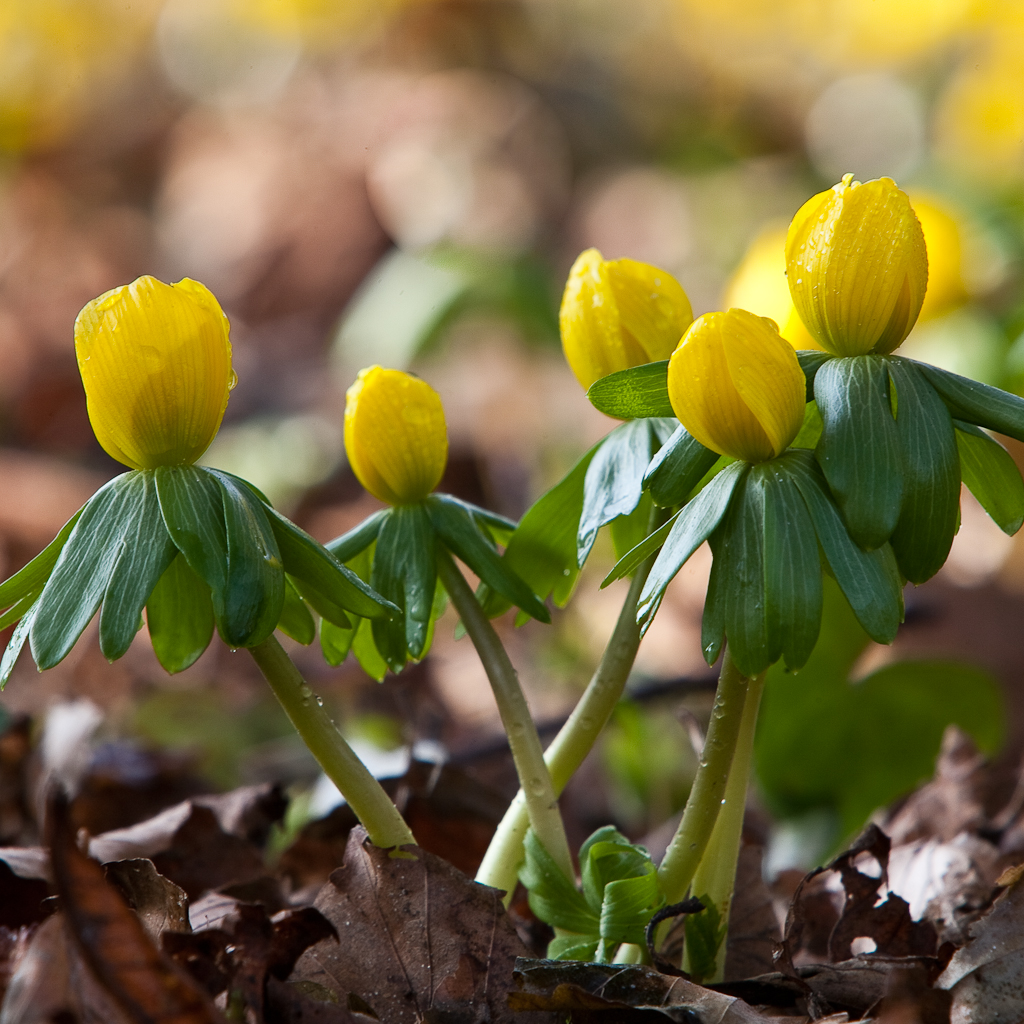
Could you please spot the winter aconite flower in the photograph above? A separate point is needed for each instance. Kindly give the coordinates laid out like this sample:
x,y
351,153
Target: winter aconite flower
x,y
156,364
857,266
619,313
737,386
395,435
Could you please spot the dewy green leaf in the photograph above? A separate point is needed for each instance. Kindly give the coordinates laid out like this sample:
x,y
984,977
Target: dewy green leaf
x,y
637,392
542,551
309,561
792,567
78,581
15,644
931,475
632,558
179,615
691,528
458,531
295,620
145,551
738,549
860,449
254,588
614,480
192,505
32,578
870,580
677,468
992,476
405,571
980,404
553,897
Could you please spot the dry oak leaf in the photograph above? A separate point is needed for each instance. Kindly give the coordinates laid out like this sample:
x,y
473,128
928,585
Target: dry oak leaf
x,y
417,940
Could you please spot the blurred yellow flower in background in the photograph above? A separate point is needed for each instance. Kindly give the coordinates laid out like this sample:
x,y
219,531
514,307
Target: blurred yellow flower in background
x,y
395,435
155,360
759,284
619,313
857,266
737,386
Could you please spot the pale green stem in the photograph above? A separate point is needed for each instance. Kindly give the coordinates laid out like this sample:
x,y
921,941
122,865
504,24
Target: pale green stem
x,y
527,753
715,876
576,738
705,801
364,794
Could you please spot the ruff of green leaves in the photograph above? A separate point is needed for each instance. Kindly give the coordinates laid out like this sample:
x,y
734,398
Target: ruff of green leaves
x,y
620,895
396,551
196,548
876,502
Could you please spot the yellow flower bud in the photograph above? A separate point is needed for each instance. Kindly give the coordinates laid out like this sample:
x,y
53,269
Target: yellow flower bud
x,y
619,313
395,435
155,360
737,386
857,266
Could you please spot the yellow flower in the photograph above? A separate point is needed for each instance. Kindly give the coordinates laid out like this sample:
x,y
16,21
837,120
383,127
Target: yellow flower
x,y
946,288
737,386
619,313
857,266
759,284
156,364
395,435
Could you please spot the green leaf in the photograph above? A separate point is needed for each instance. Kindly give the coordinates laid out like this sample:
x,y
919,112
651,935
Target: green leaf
x,y
553,897
16,643
980,404
627,564
691,528
860,450
614,481
336,641
458,531
405,572
825,743
192,504
634,393
306,559
570,947
811,361
870,580
677,468
992,476
254,587
295,620
499,527
931,475
365,650
31,579
16,611
792,566
350,544
704,934
738,549
542,551
146,550
79,579
810,433
179,614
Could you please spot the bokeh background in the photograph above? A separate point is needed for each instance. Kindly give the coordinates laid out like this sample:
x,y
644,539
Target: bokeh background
x,y
407,183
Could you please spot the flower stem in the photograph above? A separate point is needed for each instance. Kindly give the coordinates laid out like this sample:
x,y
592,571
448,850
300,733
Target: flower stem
x,y
372,806
715,877
541,799
575,739
702,808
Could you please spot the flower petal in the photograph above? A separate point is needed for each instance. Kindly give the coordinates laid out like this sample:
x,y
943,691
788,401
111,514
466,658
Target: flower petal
x,y
653,308
155,360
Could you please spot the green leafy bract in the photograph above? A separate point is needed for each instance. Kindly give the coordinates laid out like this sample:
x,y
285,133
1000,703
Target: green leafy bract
x,y
179,614
678,468
973,402
620,895
295,620
860,449
615,477
991,475
634,393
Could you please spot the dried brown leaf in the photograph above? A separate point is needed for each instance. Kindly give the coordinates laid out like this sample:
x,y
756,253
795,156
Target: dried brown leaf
x,y
161,905
418,941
